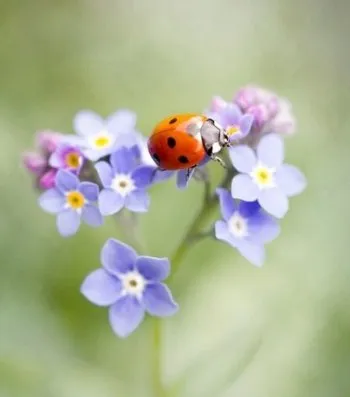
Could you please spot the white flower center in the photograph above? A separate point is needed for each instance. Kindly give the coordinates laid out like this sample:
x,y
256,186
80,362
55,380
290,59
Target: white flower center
x,y
133,284
238,226
123,184
263,176
101,140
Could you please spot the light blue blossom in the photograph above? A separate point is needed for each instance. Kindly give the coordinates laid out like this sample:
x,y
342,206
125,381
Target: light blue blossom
x,y
71,200
264,177
130,285
245,227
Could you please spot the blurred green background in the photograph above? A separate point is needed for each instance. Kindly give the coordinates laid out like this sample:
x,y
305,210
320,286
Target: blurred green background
x,y
283,330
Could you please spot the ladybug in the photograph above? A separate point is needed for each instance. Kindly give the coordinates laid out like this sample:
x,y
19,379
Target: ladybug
x,y
182,141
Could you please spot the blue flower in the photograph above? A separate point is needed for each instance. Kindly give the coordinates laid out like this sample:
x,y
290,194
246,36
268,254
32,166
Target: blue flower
x,y
98,138
230,117
245,227
264,177
124,183
72,201
129,285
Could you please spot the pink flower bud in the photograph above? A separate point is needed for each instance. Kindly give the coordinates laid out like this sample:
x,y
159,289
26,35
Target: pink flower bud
x,y
48,141
47,180
34,162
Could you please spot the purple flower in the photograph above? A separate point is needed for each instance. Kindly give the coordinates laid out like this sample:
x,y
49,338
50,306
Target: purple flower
x,y
98,138
67,157
124,183
71,200
271,113
245,227
129,285
264,177
37,163
230,117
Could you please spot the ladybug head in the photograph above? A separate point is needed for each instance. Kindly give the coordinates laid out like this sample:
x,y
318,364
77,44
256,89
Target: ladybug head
x,y
214,137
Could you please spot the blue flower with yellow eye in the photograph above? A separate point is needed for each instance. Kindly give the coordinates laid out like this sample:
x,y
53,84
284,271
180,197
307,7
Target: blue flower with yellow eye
x,y
71,201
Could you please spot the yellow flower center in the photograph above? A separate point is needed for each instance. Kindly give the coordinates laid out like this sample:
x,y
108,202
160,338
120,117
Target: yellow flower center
x,y
102,141
73,160
232,130
263,176
75,200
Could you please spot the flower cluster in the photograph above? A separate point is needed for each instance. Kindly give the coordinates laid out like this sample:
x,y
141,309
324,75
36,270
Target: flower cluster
x,y
105,168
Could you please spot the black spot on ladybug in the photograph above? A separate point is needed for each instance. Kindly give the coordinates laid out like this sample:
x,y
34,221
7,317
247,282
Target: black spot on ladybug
x,y
171,142
183,159
156,158
172,121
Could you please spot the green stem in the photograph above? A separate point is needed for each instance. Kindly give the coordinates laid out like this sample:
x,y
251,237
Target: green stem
x,y
210,204
158,387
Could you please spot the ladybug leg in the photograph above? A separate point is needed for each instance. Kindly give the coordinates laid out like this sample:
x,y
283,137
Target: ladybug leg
x,y
219,160
189,172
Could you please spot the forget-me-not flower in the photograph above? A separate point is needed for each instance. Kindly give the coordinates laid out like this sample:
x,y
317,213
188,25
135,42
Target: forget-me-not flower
x,y
264,177
67,157
230,117
98,138
245,227
71,200
124,183
129,285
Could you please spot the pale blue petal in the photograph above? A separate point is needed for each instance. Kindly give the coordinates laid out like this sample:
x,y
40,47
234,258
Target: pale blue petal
x,y
158,300
55,160
274,201
244,188
89,190
270,150
137,201
183,177
254,253
246,124
290,180
123,161
126,315
243,158
105,173
121,122
92,216
100,288
142,176
222,233
52,201
68,222
87,123
110,202
262,228
118,258
153,269
227,203
66,181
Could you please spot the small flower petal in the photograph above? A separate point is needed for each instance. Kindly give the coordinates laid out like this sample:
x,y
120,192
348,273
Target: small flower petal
x,y
87,123
126,315
137,201
117,258
121,122
110,202
92,216
244,188
105,173
222,233
183,177
55,160
89,190
290,180
227,204
68,222
123,160
158,300
246,124
263,228
243,158
101,288
66,181
254,253
274,201
142,176
153,269
270,150
51,201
